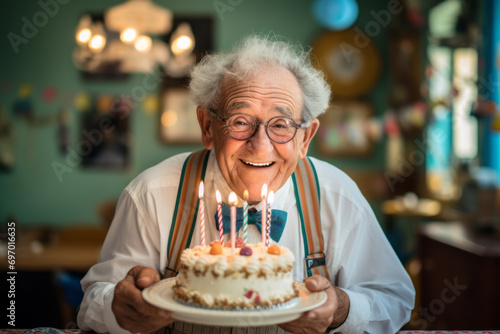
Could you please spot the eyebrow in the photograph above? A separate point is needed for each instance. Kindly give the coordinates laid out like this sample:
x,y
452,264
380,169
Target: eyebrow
x,y
238,105
285,111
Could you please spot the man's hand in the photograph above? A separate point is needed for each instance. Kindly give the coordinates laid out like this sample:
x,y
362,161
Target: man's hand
x,y
132,312
331,314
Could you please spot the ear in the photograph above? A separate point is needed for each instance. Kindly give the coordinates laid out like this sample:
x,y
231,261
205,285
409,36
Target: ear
x,y
309,133
205,122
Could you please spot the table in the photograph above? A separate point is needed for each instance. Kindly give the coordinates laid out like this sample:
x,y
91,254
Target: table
x,y
459,276
79,331
47,263
75,248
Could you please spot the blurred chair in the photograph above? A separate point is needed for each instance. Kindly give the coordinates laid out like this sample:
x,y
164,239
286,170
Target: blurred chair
x,y
70,292
106,210
70,296
82,234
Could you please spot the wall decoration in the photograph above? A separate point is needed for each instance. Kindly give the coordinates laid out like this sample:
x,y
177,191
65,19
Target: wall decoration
x,y
7,141
150,104
345,129
178,121
404,66
63,130
49,94
335,14
105,138
350,60
82,101
23,105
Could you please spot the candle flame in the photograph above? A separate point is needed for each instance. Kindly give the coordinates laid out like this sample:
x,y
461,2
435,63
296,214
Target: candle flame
x,y
200,192
217,195
245,195
233,200
263,193
270,198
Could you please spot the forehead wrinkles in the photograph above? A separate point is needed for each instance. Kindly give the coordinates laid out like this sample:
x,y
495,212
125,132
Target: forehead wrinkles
x,y
280,95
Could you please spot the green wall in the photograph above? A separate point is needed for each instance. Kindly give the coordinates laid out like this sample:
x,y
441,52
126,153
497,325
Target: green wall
x,y
31,191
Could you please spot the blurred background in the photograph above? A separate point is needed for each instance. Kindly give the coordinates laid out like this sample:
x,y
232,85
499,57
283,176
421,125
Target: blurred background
x,y
92,93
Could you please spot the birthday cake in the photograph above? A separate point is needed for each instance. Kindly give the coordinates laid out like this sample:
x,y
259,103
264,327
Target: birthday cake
x,y
255,276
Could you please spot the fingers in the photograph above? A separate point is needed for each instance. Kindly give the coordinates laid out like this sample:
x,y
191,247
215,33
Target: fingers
x,y
132,312
319,319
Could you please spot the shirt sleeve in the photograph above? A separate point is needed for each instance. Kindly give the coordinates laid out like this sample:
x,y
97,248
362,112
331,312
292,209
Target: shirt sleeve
x,y
380,291
128,243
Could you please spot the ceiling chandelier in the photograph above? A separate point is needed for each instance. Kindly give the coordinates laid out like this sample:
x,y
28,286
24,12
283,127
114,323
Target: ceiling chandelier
x,y
127,38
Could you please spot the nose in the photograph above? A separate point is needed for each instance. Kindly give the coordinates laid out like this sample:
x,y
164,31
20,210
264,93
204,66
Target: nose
x,y
260,144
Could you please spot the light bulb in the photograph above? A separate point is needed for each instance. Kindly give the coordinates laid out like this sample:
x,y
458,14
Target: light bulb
x,y
97,43
181,44
143,43
128,35
182,40
168,118
83,32
98,40
83,36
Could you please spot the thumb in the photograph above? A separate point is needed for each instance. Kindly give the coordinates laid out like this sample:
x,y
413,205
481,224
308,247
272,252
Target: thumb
x,y
144,276
316,283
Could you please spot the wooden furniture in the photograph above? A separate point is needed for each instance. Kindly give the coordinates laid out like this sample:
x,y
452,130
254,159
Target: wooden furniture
x,y
42,256
74,248
459,277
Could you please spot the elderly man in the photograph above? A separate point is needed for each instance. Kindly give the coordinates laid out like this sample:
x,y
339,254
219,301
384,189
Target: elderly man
x,y
257,110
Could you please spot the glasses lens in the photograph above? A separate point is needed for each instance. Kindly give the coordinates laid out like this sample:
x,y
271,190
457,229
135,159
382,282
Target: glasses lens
x,y
241,126
281,129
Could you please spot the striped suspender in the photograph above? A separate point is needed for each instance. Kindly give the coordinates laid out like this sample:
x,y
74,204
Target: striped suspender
x,y
307,195
186,209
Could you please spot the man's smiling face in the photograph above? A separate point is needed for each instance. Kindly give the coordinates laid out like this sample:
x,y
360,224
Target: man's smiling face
x,y
248,164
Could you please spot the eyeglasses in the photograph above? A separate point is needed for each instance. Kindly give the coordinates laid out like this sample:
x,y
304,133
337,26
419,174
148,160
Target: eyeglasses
x,y
279,129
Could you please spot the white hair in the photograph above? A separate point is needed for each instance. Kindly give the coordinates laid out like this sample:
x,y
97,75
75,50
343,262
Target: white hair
x,y
247,59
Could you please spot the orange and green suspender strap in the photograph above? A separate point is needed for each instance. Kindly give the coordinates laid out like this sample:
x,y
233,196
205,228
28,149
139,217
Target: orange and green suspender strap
x,y
186,209
307,195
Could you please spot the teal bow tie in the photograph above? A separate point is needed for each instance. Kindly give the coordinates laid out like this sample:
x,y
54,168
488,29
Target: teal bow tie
x,y
278,220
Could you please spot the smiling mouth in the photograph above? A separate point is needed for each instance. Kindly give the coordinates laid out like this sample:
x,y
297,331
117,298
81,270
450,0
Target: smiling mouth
x,y
253,164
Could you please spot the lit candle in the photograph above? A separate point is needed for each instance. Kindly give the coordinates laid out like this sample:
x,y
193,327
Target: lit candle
x,y
263,194
219,215
233,201
270,199
245,217
202,215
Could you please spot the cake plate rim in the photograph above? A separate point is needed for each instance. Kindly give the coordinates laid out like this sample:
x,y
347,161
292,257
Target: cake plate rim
x,y
161,295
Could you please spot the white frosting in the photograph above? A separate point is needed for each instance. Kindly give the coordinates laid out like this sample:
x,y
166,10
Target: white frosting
x,y
235,280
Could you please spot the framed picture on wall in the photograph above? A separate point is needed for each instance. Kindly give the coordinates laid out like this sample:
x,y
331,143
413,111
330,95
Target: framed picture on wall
x,y
105,133
343,130
178,121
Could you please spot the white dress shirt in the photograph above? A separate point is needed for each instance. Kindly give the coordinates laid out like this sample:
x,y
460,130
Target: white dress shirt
x,y
359,258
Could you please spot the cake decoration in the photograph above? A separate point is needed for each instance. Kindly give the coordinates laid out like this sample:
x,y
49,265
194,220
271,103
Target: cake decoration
x,y
219,216
216,249
245,217
227,281
246,251
274,249
202,214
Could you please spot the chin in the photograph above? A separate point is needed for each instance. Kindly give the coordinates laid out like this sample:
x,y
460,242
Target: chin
x,y
255,190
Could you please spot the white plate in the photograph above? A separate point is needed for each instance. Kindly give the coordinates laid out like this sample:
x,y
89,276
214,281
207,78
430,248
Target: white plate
x,y
161,295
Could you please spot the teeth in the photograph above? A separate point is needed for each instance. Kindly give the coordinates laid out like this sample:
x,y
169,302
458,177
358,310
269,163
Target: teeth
x,y
265,164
